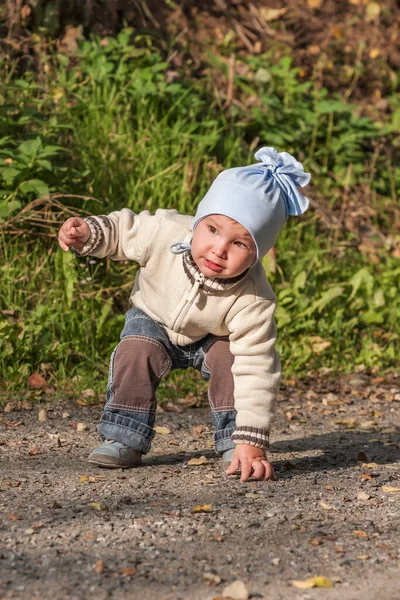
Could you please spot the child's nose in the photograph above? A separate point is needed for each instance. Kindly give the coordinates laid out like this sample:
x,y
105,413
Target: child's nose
x,y
220,248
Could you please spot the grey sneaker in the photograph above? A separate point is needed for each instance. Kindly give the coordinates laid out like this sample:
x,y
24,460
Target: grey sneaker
x,y
227,456
115,455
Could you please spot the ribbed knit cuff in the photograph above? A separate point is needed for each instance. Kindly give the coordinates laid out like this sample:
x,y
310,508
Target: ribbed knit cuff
x,y
251,436
96,237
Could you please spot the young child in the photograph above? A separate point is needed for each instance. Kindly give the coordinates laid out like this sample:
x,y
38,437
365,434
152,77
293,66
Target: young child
x,y
201,298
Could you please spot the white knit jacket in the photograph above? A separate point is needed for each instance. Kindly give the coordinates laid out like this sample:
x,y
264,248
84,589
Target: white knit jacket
x,y
190,306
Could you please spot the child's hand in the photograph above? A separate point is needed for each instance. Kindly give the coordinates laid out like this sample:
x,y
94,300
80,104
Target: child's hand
x,y
74,232
251,459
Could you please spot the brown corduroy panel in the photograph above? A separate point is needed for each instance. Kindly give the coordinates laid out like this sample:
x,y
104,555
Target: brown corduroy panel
x,y
219,360
139,365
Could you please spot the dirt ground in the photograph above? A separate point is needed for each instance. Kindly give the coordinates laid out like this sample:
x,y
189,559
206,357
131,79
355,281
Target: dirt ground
x,y
71,530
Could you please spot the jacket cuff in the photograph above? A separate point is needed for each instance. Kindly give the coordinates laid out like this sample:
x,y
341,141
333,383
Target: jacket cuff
x,y
96,237
251,436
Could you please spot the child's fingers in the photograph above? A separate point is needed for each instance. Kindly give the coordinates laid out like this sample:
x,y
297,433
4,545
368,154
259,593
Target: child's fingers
x,y
258,469
269,471
246,471
63,246
233,467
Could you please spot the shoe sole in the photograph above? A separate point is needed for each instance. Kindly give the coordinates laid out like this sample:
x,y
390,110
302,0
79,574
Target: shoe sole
x,y
104,461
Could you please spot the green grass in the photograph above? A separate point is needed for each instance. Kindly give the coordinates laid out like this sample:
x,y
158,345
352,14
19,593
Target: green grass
x,y
113,129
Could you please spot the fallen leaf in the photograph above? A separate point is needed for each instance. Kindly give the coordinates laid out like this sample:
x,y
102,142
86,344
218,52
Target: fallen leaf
x,y
37,382
9,407
365,477
198,461
172,408
65,415
316,542
326,506
81,427
389,489
88,536
384,547
88,393
312,582
315,3
14,517
13,424
42,416
99,567
363,496
369,465
318,344
128,571
91,478
349,423
173,443
253,495
162,430
367,424
236,590
272,14
34,451
198,430
202,508
98,506
360,533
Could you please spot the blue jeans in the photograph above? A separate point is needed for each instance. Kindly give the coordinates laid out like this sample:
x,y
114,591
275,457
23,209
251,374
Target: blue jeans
x,y
143,357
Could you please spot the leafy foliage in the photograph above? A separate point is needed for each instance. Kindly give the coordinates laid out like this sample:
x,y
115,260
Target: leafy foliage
x,y
118,128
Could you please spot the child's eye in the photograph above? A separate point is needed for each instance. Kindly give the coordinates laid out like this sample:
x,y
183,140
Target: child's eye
x,y
212,229
240,244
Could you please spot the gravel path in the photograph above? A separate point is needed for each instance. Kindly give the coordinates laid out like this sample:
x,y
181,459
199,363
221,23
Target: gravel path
x,y
177,531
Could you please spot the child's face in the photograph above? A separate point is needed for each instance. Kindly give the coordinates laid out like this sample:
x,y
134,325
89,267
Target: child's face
x,y
221,247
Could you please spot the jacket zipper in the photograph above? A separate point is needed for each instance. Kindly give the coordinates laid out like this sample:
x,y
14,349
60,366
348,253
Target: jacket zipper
x,y
189,301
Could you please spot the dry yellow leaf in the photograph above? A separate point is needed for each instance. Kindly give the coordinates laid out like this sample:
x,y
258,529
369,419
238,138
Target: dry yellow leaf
x,y
369,465
271,14
327,506
360,533
202,508
198,461
98,505
312,582
81,427
389,489
90,478
162,430
317,343
367,424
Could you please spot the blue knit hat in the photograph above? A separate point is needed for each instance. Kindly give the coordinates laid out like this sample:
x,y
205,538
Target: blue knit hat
x,y
260,197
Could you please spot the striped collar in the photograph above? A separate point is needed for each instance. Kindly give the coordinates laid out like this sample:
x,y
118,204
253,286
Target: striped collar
x,y
210,285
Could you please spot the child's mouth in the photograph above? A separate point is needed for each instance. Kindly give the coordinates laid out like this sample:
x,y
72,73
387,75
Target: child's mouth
x,y
212,266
